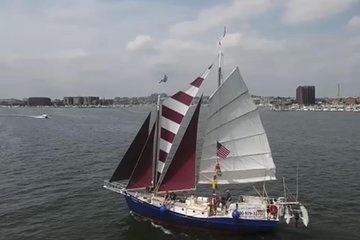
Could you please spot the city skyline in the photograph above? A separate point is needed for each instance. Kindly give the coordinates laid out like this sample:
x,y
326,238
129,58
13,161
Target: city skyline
x,y
123,48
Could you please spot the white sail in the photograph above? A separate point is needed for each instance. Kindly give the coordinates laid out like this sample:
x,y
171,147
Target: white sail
x,y
234,121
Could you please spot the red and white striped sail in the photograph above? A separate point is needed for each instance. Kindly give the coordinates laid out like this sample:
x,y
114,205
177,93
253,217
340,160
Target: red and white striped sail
x,y
180,176
173,111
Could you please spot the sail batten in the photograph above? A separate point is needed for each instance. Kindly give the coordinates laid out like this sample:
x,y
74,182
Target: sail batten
x,y
240,138
224,106
234,121
229,122
240,156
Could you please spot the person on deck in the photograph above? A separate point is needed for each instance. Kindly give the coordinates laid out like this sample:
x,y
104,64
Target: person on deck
x,y
166,197
214,183
214,203
172,198
218,169
223,203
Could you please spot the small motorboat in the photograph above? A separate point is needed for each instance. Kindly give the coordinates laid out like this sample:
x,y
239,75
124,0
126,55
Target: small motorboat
x,y
44,115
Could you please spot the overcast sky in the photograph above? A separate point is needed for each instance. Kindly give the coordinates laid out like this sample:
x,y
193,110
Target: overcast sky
x,y
110,48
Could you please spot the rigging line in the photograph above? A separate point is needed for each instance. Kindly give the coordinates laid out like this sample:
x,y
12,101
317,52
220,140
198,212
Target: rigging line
x,y
202,174
284,189
257,191
222,107
236,139
237,157
232,171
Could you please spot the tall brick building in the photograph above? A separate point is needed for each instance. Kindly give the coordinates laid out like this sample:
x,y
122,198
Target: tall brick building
x,y
305,95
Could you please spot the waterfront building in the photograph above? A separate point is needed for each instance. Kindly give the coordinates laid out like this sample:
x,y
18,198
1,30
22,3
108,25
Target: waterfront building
x,y
68,100
78,100
39,101
91,100
12,102
57,103
305,95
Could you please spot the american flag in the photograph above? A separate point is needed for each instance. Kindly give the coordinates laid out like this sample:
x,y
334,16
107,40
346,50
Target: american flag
x,y
221,152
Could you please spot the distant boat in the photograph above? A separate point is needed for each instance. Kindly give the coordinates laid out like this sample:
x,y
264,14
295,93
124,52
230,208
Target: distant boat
x,y
235,151
44,115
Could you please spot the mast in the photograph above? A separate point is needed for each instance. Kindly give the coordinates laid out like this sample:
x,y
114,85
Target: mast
x,y
219,69
157,138
220,57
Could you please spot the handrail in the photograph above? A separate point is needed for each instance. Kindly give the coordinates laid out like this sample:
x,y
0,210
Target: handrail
x,y
115,187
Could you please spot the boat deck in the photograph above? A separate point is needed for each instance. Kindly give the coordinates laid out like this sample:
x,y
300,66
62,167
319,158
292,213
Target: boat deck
x,y
250,207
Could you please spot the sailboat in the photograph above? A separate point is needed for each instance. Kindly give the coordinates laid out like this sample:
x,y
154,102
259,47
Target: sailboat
x,y
235,151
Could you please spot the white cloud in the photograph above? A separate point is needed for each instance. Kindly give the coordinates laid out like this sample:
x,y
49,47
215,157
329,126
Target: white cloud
x,y
302,11
93,47
354,23
251,41
140,43
71,54
232,39
220,15
62,55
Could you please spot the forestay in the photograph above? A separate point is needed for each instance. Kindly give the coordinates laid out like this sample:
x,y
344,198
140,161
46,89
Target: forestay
x,y
235,122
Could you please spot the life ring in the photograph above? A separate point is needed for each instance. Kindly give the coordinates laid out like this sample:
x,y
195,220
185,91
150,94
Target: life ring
x,y
273,209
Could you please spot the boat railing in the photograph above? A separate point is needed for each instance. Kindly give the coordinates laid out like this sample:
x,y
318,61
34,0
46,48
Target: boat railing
x,y
115,187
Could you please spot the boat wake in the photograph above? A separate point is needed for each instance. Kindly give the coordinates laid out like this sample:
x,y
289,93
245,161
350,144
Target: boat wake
x,y
164,230
140,219
44,116
25,116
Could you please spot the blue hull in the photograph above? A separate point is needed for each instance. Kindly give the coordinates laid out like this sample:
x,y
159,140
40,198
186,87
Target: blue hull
x,y
173,219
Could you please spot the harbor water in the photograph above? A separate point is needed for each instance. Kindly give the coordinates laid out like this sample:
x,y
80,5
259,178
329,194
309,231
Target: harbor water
x,y
52,173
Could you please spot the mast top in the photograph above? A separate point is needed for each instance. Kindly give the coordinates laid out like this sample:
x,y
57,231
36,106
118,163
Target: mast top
x,y
220,55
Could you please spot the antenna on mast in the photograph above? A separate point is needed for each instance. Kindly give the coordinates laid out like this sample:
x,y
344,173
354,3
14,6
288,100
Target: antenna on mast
x,y
220,77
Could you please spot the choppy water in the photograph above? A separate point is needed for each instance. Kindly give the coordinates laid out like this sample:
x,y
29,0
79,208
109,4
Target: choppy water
x,y
52,171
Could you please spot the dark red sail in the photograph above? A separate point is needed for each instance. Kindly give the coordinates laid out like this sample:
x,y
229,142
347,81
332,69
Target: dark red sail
x,y
180,175
127,164
141,177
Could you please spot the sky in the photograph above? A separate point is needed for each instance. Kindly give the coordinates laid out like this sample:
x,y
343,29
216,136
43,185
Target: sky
x,y
111,48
